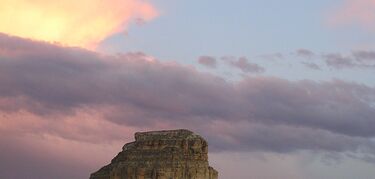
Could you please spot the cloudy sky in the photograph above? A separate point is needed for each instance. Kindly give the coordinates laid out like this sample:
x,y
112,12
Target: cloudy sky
x,y
280,89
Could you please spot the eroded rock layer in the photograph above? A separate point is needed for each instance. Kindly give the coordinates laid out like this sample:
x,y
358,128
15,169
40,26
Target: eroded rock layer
x,y
172,154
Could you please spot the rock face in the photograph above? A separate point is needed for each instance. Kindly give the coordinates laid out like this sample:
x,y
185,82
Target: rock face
x,y
172,154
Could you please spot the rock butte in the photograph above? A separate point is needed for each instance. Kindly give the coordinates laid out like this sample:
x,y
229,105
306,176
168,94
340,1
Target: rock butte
x,y
169,154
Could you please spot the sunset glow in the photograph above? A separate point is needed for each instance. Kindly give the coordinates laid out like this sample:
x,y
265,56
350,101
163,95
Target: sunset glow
x,y
81,23
277,89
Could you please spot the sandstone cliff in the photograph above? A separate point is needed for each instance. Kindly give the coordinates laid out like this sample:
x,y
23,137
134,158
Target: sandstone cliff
x,y
173,154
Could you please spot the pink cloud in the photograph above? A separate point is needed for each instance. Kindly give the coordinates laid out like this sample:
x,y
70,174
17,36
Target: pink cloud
x,y
85,124
50,156
355,12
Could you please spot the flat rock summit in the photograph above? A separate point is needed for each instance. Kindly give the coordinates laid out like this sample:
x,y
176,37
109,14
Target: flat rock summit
x,y
168,154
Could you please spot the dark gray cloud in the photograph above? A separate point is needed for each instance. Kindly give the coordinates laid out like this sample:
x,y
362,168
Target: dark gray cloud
x,y
256,113
357,59
339,61
364,56
207,61
360,59
243,64
310,65
272,56
305,53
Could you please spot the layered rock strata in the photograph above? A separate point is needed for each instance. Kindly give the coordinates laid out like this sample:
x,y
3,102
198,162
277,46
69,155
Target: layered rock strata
x,y
172,154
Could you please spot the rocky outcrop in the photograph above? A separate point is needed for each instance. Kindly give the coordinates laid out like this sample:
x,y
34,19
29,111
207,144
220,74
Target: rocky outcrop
x,y
172,154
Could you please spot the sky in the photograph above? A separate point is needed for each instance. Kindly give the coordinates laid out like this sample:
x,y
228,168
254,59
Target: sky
x,y
279,89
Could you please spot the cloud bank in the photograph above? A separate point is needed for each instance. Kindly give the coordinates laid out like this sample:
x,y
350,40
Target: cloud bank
x,y
72,97
66,22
